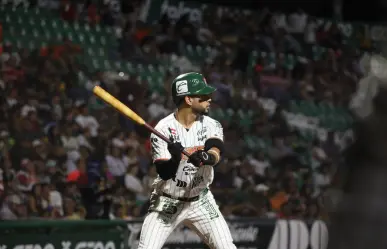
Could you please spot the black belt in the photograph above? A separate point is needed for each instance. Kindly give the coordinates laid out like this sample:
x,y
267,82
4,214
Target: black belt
x,y
186,199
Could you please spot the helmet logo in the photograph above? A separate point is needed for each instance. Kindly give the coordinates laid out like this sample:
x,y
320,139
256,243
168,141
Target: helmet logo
x,y
195,82
181,87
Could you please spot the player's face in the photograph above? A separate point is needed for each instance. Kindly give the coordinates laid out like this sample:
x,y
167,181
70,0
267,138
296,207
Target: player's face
x,y
201,104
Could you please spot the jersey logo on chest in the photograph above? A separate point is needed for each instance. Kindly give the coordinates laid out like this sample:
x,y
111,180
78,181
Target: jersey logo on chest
x,y
202,134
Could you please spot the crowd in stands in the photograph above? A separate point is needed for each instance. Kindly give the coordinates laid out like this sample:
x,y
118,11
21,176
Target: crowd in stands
x,y
66,155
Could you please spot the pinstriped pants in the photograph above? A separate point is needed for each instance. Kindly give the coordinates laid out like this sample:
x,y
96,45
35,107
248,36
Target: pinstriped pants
x,y
202,216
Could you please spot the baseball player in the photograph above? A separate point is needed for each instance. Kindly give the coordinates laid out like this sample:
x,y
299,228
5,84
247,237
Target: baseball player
x,y
181,191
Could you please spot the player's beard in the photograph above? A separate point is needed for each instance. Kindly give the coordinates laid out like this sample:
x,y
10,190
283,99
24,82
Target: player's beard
x,y
200,110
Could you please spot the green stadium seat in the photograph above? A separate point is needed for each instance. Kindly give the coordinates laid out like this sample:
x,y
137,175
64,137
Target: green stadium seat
x,y
245,119
333,122
326,109
200,52
289,61
91,40
57,37
262,144
107,66
118,66
96,64
270,58
90,52
218,114
251,142
318,52
102,40
97,29
229,114
340,123
308,108
294,107
101,52
129,68
161,69
140,68
307,135
305,159
156,85
252,61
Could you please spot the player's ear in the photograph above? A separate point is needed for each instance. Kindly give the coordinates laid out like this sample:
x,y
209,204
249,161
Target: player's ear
x,y
188,100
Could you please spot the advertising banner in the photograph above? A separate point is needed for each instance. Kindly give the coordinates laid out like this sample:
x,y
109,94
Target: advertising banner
x,y
250,234
174,9
62,234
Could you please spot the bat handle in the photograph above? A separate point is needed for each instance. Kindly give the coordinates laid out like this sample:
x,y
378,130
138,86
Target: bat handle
x,y
186,153
160,135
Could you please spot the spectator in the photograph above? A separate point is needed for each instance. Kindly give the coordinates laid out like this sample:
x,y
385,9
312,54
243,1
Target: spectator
x,y
279,150
66,155
84,120
116,162
133,183
13,208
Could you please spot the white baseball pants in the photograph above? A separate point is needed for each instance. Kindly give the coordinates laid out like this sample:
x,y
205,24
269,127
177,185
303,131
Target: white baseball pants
x,y
202,216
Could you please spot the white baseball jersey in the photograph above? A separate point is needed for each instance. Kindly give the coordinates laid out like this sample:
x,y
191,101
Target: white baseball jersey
x,y
189,180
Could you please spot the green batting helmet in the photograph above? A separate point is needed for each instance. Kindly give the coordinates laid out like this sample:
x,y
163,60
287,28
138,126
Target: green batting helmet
x,y
190,84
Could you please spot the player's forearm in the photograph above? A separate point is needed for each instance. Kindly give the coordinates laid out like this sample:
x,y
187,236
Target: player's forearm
x,y
215,147
167,168
216,153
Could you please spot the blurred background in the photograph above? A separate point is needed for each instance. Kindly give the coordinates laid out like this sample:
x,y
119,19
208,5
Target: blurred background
x,y
285,71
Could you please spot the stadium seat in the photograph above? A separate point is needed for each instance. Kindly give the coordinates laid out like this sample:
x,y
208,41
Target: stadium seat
x,y
156,85
218,114
129,68
307,135
245,119
118,66
289,61
318,52
229,114
107,66
308,108
325,108
270,58
293,107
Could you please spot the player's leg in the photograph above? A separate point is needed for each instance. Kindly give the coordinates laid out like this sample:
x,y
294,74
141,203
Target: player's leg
x,y
205,218
154,232
160,223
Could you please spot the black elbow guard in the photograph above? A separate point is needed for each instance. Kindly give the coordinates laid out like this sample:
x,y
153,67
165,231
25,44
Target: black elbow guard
x,y
214,142
166,169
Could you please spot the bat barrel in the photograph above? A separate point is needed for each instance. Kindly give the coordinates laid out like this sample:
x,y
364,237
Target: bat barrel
x,y
108,98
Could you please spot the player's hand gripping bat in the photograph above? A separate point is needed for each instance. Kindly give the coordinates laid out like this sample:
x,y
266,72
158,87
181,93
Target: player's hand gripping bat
x,y
111,100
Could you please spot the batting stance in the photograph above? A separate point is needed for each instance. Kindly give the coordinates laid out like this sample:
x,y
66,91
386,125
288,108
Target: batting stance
x,y
181,191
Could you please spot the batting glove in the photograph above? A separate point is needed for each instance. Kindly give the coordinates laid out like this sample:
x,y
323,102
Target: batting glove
x,y
202,157
175,149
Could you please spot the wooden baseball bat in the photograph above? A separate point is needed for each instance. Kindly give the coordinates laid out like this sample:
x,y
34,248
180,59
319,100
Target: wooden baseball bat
x,y
111,100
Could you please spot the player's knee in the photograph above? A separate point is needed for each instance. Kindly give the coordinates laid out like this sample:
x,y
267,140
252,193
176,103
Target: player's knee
x,y
225,244
149,245
229,245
